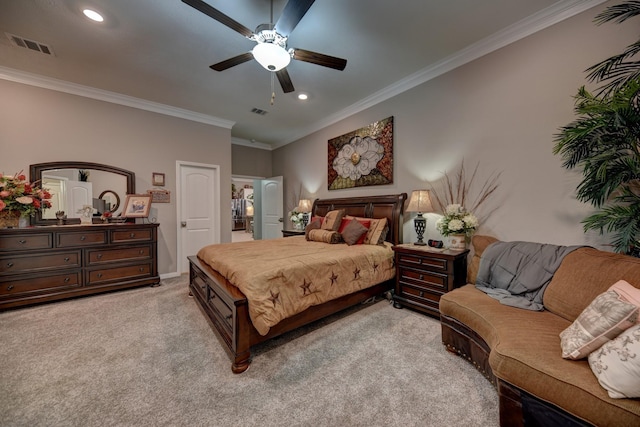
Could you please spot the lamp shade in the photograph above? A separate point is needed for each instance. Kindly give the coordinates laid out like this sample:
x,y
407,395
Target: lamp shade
x,y
304,206
249,210
271,56
420,201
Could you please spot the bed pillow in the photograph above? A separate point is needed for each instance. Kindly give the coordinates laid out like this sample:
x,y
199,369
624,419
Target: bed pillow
x,y
332,220
313,225
326,236
616,364
377,232
355,232
604,319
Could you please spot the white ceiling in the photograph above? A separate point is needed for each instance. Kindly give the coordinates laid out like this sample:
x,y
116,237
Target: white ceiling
x,y
160,51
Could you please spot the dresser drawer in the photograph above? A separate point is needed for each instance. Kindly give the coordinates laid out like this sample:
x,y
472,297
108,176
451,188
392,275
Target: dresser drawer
x,y
99,256
83,238
222,311
199,280
432,263
25,242
22,263
122,236
53,282
428,280
116,274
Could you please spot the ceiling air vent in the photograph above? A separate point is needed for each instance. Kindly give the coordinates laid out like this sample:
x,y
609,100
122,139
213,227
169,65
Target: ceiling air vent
x,y
30,44
258,111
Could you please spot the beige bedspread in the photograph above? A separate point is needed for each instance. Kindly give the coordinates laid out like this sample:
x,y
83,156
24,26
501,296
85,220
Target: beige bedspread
x,y
283,277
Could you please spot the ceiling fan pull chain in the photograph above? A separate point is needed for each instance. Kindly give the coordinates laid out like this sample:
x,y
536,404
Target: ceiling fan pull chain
x,y
273,90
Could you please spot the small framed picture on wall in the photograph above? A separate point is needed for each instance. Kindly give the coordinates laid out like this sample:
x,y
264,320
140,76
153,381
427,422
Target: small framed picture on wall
x,y
157,179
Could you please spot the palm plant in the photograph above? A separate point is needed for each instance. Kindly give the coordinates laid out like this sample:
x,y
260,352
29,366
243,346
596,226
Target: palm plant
x,y
604,140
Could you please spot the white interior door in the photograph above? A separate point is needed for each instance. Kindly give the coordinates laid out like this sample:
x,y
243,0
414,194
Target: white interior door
x,y
272,210
79,194
198,210
56,187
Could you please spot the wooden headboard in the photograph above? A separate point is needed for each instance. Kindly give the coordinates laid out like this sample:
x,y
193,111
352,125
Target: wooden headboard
x,y
390,207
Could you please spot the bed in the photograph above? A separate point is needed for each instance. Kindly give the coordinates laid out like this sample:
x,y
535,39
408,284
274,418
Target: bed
x,y
227,308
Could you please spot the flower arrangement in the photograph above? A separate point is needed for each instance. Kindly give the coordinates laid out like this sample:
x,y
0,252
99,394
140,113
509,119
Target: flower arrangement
x,y
17,194
296,217
457,220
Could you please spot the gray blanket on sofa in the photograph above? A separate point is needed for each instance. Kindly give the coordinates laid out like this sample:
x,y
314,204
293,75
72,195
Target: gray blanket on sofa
x,y
517,273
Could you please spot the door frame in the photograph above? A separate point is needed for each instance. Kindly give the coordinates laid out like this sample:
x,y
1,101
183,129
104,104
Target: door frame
x,y
216,208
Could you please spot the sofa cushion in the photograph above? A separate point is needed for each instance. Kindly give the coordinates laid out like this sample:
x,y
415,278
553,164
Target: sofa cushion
x,y
525,352
583,275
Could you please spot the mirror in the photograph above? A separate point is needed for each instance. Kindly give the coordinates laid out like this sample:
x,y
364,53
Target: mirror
x,y
79,183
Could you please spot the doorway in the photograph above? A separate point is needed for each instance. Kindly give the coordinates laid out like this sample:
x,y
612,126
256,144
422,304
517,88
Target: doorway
x,y
198,209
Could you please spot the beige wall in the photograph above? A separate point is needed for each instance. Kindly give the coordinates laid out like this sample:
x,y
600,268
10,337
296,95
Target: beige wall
x,y
250,161
501,110
40,125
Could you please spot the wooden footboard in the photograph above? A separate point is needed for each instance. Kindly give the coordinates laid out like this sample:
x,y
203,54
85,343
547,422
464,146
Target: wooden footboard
x,y
227,310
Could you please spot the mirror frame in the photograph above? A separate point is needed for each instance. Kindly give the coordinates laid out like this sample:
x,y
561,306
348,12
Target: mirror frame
x,y
35,175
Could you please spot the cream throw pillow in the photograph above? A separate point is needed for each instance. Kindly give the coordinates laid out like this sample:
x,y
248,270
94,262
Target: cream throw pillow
x,y
617,364
604,319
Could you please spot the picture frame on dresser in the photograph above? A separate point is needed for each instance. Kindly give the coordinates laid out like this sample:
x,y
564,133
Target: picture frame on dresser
x,y
137,206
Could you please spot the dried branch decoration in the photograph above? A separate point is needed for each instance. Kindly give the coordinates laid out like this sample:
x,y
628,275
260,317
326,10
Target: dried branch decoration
x,y
457,190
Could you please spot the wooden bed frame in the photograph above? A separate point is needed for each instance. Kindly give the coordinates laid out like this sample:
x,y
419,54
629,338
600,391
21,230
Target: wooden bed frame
x,y
227,308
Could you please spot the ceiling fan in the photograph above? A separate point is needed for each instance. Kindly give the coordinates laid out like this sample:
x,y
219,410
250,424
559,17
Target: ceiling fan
x,y
271,49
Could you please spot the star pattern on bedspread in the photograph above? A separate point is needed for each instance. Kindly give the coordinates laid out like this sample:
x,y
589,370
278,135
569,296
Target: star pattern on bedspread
x,y
333,278
306,287
274,298
356,273
375,267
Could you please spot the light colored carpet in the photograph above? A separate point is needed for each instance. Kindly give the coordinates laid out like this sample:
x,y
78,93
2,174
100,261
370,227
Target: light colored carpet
x,y
148,357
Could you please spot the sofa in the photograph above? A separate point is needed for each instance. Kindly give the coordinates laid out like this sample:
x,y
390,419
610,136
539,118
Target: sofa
x,y
520,352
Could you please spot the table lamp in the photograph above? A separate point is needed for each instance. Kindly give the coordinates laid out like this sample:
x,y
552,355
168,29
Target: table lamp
x,y
420,202
304,206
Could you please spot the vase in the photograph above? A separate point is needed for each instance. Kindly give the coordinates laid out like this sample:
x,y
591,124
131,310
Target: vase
x,y
298,226
23,222
458,242
9,219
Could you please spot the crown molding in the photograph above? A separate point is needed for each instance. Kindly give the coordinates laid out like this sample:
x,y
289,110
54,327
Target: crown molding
x,y
511,34
252,143
107,96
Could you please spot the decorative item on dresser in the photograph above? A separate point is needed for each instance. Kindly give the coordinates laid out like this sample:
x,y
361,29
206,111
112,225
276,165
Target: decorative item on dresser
x,y
424,274
305,207
53,263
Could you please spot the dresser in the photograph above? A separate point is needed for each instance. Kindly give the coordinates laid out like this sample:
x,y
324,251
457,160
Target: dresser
x,y
48,263
423,275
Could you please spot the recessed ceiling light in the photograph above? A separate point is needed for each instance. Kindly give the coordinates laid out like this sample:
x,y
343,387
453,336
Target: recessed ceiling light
x,y
93,15
303,96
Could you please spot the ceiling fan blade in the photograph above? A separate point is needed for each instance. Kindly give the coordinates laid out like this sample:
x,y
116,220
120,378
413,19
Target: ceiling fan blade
x,y
219,16
319,59
232,62
285,80
291,15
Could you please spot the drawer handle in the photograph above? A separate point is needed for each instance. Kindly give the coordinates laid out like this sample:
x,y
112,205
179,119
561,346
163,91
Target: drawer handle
x,y
229,317
99,256
421,293
213,296
141,269
99,275
421,277
132,235
421,261
66,259
22,241
83,238
141,252
66,280
9,264
9,287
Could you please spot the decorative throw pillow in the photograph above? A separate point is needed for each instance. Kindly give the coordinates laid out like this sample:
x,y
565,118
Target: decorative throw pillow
x,y
326,236
332,220
617,364
354,232
377,232
627,292
313,225
604,319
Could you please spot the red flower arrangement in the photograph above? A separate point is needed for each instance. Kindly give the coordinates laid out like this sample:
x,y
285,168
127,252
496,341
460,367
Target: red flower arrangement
x,y
19,195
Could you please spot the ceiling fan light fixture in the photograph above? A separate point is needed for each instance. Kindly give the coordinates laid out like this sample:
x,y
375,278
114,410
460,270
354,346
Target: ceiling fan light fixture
x,y
271,56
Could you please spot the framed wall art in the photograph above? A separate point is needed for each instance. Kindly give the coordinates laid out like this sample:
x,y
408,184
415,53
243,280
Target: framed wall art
x,y
157,179
160,196
362,157
137,206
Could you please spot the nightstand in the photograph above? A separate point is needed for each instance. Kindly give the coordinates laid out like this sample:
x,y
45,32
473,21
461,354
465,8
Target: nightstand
x,y
289,233
424,274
